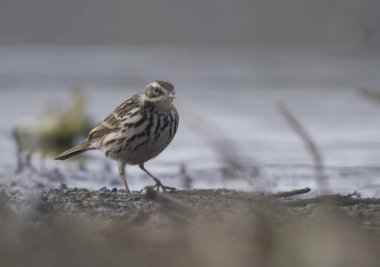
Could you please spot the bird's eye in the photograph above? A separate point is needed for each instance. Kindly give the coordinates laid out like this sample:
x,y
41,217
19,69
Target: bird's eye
x,y
156,90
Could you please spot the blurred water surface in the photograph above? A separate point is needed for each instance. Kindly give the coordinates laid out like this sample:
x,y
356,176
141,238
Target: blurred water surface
x,y
225,96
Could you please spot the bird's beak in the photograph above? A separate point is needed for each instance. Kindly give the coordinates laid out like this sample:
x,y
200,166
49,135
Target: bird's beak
x,y
171,96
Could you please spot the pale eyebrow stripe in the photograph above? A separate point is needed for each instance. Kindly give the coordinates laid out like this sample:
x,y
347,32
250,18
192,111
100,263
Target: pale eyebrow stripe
x,y
155,84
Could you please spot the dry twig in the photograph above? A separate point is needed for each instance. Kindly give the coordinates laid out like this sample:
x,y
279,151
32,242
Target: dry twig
x,y
310,145
17,139
291,193
226,148
170,204
337,199
187,180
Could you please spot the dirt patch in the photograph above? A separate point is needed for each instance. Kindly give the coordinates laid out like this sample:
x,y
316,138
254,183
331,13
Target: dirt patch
x,y
217,202
78,227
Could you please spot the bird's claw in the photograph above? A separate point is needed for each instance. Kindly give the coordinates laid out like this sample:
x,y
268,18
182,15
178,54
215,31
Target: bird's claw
x,y
159,185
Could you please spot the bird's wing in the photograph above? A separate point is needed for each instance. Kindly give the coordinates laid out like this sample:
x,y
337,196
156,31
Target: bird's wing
x,y
112,122
108,125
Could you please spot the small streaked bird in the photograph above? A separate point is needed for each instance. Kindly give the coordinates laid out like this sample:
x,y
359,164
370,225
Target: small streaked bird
x,y
136,131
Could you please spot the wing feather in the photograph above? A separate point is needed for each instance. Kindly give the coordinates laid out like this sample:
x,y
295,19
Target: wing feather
x,y
105,127
112,122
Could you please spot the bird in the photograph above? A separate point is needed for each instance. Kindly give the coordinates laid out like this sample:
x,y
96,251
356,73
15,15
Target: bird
x,y
138,130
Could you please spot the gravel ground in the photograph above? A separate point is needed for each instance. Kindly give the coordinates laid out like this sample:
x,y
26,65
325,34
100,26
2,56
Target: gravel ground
x,y
143,206
78,227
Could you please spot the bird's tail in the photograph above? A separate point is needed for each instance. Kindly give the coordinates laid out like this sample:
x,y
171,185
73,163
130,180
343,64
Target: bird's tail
x,y
74,151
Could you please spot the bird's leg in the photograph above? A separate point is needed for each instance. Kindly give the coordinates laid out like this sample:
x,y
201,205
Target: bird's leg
x,y
123,176
158,182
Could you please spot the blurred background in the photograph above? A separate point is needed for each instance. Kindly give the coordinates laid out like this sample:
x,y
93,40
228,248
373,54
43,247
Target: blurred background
x,y
230,62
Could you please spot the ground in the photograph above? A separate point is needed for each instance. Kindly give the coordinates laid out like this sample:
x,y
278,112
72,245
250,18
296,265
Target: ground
x,y
108,227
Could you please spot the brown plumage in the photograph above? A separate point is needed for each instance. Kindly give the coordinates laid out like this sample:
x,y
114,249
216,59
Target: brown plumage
x,y
136,131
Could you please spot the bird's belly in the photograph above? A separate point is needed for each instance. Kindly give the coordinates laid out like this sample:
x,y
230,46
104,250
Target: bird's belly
x,y
147,149
142,148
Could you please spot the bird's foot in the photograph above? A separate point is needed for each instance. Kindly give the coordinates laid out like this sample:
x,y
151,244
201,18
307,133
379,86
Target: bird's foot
x,y
159,185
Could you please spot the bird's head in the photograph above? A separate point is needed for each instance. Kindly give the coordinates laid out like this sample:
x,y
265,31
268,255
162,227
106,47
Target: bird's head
x,y
159,92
